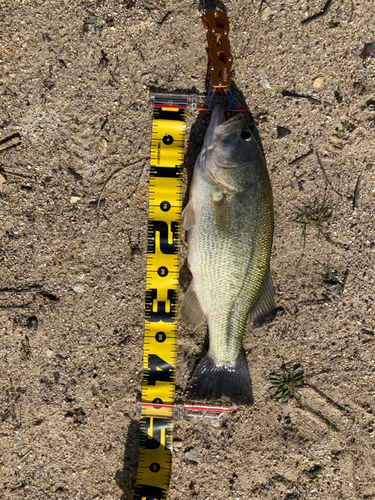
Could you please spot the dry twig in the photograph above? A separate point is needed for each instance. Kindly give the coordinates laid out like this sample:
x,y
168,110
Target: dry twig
x,y
326,177
357,192
113,174
12,174
319,14
10,141
300,159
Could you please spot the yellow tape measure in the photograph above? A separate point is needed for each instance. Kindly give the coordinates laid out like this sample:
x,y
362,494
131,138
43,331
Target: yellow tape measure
x,y
160,340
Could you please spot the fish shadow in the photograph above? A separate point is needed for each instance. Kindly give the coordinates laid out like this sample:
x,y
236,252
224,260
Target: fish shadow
x,y
238,95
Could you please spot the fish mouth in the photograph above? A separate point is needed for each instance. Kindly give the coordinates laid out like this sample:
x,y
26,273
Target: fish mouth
x,y
226,123
219,124
220,128
227,129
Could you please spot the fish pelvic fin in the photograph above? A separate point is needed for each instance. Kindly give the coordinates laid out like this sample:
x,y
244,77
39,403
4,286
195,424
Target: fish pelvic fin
x,y
214,381
191,309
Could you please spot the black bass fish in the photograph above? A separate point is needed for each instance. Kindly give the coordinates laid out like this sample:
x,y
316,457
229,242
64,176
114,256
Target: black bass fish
x,y
229,219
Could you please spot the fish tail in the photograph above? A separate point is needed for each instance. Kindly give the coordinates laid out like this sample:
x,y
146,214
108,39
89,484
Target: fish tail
x,y
215,381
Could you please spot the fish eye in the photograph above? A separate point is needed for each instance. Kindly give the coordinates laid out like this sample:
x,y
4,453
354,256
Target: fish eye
x,y
246,135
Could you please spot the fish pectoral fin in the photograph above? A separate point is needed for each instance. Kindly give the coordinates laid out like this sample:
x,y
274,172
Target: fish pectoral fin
x,y
220,211
191,309
188,216
265,304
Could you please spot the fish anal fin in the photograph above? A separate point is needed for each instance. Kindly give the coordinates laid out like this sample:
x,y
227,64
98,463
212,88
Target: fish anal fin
x,y
220,211
191,309
265,304
188,216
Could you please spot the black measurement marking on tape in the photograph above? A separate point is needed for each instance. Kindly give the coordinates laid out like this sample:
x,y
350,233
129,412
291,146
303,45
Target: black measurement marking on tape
x,y
161,313
161,227
166,171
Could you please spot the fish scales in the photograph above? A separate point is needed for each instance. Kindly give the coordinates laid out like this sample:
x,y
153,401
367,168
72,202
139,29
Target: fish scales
x,y
219,268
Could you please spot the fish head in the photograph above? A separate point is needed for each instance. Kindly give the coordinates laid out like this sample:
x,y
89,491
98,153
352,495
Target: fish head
x,y
229,145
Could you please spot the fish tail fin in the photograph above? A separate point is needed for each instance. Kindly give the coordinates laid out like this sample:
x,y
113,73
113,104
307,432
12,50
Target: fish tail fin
x,y
231,380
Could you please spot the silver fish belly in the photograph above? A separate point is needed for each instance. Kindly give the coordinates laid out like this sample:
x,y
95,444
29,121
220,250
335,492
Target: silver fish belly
x,y
229,219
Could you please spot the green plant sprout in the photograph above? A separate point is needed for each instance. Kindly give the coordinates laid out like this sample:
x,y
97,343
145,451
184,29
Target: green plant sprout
x,y
315,214
337,94
283,386
346,127
260,116
25,349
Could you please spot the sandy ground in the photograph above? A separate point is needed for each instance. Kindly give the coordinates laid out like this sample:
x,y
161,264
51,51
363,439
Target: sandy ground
x,y
75,79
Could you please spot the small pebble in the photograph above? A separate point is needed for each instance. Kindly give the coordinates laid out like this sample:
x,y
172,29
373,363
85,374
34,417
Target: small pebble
x,y
334,289
78,288
49,353
216,422
136,251
266,13
91,19
282,132
2,179
318,82
177,443
368,50
74,199
193,454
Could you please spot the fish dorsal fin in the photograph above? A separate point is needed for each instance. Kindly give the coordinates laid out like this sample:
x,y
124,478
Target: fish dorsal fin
x,y
265,304
191,309
188,216
220,211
